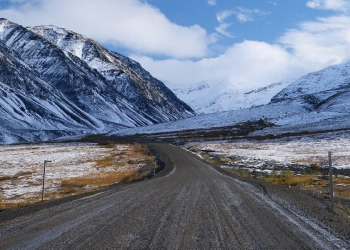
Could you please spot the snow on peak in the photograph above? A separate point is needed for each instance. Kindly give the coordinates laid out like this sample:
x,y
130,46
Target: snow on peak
x,y
56,29
2,25
62,37
79,45
222,95
330,78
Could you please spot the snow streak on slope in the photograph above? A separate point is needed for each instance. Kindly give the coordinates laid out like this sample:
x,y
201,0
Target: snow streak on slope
x,y
220,95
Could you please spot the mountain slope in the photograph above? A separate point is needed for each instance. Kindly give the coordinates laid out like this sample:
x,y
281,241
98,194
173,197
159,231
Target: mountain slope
x,y
28,103
316,89
124,75
217,96
74,78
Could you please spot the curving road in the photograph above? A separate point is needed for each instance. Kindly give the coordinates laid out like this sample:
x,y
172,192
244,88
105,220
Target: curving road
x,y
192,207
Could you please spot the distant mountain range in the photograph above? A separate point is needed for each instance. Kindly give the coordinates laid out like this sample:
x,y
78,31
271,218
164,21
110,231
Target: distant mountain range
x,y
318,101
55,82
220,95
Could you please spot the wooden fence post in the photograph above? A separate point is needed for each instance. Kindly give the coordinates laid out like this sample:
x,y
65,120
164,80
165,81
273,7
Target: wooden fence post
x,y
331,192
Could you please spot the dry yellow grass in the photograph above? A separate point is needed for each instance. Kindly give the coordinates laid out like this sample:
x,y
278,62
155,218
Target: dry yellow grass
x,y
304,180
342,179
133,154
2,202
288,178
342,187
96,180
5,203
312,183
107,161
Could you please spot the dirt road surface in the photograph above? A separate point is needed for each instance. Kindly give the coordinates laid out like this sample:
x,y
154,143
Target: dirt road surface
x,y
191,207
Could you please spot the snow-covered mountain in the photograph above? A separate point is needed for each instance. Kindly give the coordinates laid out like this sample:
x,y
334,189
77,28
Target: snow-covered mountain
x,y
318,101
220,95
46,87
319,90
123,75
29,104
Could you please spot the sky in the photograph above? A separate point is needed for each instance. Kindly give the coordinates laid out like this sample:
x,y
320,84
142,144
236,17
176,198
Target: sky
x,y
249,44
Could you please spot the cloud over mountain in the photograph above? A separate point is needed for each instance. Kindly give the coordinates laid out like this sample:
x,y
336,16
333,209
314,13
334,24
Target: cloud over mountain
x,y
133,24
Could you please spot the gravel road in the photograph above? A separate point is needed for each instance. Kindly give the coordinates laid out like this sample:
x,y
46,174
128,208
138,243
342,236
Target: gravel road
x,y
191,207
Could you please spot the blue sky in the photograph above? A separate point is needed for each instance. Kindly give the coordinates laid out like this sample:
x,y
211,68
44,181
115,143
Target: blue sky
x,y
253,20
246,43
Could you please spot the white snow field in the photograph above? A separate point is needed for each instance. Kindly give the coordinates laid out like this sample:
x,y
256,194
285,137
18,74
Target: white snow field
x,y
221,95
304,150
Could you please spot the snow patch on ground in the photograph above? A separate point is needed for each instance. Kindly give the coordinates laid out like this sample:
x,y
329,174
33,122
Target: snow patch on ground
x,y
302,150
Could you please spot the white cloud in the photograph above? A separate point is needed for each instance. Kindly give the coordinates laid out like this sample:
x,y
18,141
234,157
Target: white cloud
x,y
222,29
243,15
245,64
133,24
212,2
313,46
322,42
336,5
223,15
249,15
243,18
